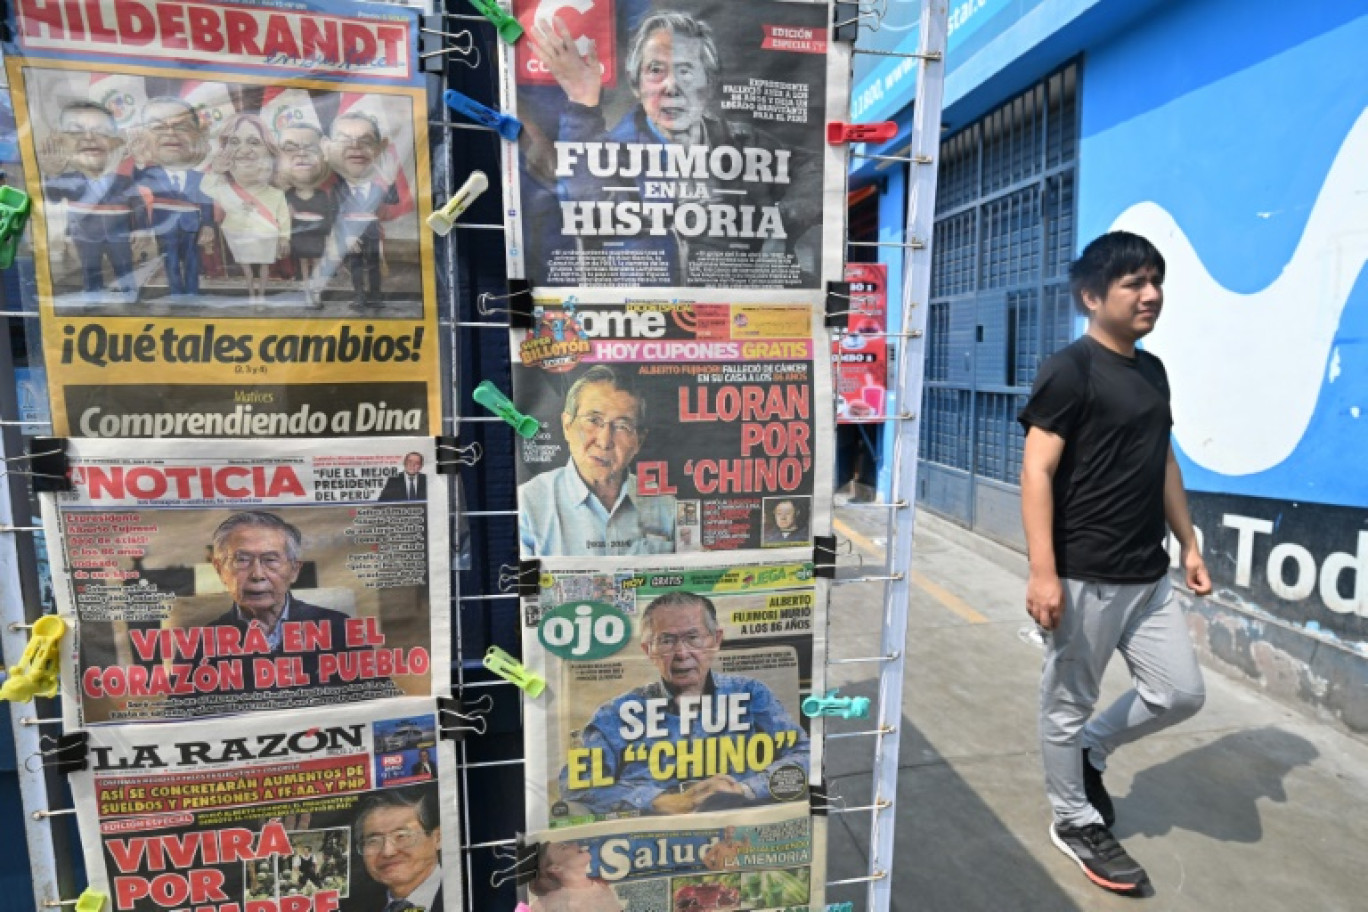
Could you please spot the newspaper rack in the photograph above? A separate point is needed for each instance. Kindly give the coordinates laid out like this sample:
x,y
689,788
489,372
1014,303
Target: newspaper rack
x,y
463,296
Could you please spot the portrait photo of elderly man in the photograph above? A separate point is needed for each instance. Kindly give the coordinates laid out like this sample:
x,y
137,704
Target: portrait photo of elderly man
x,y
590,505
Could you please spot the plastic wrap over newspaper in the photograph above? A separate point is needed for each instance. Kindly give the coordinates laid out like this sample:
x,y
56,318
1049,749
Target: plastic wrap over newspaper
x,y
764,860
228,204
860,354
672,427
675,143
209,577
343,810
672,692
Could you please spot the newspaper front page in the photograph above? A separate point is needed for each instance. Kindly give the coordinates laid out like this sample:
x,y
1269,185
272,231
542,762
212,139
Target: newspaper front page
x,y
334,812
672,692
228,204
671,144
211,577
671,426
764,860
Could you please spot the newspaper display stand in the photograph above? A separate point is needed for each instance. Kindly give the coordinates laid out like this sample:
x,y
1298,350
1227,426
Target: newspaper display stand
x,y
476,307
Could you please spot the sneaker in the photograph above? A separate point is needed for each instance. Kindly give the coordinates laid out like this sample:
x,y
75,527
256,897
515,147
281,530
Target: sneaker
x,y
1097,792
1100,856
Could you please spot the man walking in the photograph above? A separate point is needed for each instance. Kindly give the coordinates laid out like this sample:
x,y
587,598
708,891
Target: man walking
x,y
1098,481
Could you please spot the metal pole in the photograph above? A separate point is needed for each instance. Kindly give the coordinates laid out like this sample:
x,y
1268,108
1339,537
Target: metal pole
x,y
14,638
921,212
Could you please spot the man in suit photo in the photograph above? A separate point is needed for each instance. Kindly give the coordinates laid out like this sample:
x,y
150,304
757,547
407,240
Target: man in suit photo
x,y
399,838
410,484
172,139
363,197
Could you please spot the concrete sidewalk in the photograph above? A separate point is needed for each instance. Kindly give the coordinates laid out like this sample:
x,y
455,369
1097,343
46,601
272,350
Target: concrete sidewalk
x,y
1249,806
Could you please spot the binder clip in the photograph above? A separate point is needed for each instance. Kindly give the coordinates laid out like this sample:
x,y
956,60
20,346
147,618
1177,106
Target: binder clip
x,y
39,670
841,132
435,52
442,220
70,753
837,304
492,398
506,125
824,556
471,718
91,900
456,455
818,802
510,669
14,212
48,464
832,705
526,862
525,579
508,28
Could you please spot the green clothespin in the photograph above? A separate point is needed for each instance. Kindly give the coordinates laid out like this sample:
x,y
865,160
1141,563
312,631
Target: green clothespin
x,y
509,28
14,213
492,398
92,900
832,705
510,669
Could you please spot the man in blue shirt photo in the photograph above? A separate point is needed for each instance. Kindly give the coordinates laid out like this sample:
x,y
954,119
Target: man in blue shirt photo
x,y
681,636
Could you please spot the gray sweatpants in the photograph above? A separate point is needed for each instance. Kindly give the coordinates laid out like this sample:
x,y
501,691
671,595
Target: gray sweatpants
x,y
1144,622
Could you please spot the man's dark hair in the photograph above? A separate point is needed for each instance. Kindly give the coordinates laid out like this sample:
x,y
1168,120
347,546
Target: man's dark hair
x,y
75,107
370,122
1108,258
416,801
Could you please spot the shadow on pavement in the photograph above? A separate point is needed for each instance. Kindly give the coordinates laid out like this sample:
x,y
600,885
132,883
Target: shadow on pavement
x,y
1214,789
951,852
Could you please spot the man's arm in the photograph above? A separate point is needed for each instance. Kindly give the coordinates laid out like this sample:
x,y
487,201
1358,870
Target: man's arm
x,y
1180,521
632,788
769,716
1044,593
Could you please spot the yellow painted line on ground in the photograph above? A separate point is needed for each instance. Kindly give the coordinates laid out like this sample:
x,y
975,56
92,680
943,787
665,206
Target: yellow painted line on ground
x,y
952,603
862,542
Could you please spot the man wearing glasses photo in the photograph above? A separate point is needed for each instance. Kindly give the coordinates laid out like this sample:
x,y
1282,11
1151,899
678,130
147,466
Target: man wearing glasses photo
x,y
681,636
399,838
590,506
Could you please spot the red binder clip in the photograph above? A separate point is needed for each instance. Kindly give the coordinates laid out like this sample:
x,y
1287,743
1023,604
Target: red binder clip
x,y
841,132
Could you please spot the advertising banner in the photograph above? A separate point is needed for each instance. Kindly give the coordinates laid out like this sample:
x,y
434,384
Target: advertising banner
x,y
770,860
672,692
344,811
671,427
860,354
678,143
228,201
208,577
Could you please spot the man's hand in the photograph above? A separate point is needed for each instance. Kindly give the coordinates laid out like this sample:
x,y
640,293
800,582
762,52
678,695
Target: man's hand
x,y
283,247
1045,599
53,155
353,246
692,798
580,77
206,235
1194,568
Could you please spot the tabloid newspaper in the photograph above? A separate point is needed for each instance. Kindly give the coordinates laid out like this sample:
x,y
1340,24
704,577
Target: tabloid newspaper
x,y
675,143
672,427
228,204
764,860
672,692
277,813
210,577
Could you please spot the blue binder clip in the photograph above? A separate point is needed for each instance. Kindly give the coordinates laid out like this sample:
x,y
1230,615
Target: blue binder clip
x,y
832,705
507,126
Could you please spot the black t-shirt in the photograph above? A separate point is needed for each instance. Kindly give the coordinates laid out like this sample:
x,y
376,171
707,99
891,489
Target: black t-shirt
x,y
1113,413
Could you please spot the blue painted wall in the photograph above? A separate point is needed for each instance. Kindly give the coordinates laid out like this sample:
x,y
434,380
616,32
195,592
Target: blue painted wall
x,y
1234,134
